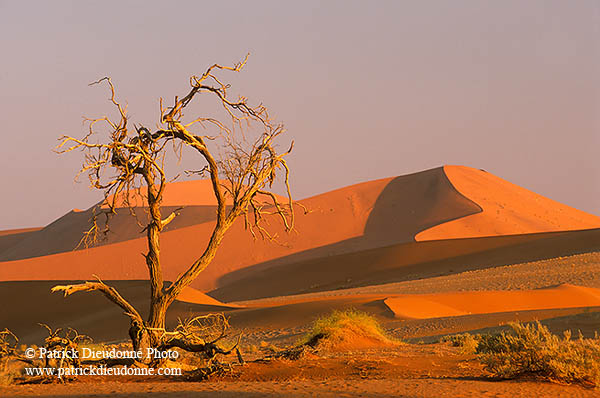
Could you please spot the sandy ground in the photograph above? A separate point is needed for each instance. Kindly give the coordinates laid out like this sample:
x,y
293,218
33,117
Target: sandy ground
x,y
406,371
409,388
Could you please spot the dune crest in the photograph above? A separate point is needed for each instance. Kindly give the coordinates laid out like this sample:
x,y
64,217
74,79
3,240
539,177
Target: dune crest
x,y
507,209
367,216
193,296
179,193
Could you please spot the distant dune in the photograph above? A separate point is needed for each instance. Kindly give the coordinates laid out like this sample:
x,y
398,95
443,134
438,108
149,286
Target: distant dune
x,y
422,306
18,231
179,193
449,201
506,209
11,237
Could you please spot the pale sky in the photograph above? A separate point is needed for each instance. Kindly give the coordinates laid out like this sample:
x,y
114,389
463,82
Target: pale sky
x,y
366,89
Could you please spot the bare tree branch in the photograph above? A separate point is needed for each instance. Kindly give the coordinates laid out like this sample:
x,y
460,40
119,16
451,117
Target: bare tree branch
x,y
238,153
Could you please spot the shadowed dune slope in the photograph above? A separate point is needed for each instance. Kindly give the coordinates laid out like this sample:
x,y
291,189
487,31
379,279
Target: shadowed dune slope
x,y
11,237
402,262
423,306
507,209
346,220
90,312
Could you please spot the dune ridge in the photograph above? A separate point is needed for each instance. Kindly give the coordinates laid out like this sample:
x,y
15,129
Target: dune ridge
x,y
440,305
178,193
506,209
354,219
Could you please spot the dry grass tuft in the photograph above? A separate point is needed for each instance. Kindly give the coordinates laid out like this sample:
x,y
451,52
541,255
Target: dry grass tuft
x,y
531,350
349,329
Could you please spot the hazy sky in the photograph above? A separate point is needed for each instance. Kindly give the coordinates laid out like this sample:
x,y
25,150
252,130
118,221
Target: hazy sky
x,y
366,89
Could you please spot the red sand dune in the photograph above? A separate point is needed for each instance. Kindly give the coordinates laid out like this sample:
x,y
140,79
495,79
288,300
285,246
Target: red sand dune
x,y
349,220
92,313
179,193
193,296
439,305
507,209
7,232
340,221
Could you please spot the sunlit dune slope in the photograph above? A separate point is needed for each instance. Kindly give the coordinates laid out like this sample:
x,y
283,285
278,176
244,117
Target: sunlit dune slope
x,y
346,220
507,209
193,296
484,302
18,231
179,193
194,201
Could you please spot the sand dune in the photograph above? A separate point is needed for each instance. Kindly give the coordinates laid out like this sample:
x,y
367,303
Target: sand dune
x,y
486,302
12,237
348,221
179,193
366,215
193,296
361,217
89,313
507,209
401,262
17,231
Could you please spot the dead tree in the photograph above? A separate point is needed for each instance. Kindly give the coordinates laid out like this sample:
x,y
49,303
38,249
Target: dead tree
x,y
134,155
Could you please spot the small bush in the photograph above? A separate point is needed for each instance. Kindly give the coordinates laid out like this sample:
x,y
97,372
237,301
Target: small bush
x,y
348,327
467,342
531,350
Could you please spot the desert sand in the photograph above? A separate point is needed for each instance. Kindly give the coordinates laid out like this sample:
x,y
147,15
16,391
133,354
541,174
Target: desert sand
x,y
506,209
443,251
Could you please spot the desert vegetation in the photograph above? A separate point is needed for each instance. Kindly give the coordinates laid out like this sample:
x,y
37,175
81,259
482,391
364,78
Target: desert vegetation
x,y
238,153
348,328
532,351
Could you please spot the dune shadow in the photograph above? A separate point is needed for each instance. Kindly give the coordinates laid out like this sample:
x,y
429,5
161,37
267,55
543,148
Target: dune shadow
x,y
413,203
89,313
406,206
403,262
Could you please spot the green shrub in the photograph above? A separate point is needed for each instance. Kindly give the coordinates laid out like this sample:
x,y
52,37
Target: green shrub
x,y
531,350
